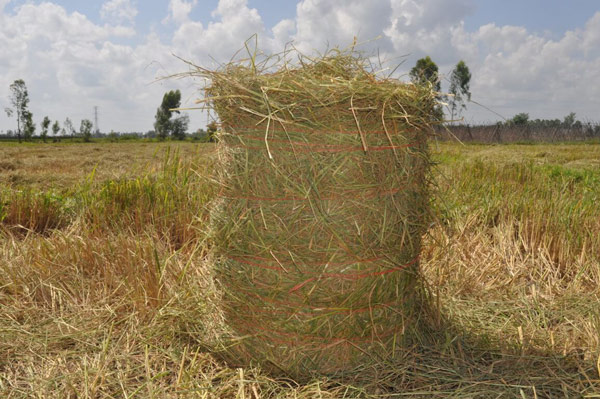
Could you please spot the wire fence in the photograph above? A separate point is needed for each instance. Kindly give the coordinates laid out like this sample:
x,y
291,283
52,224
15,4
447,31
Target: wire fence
x,y
510,133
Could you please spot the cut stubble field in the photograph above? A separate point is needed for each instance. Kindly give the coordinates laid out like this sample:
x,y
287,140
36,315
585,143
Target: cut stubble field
x,y
106,290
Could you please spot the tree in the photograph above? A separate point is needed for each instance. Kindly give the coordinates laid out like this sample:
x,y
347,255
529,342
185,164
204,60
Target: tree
x,y
426,72
28,125
55,128
19,99
459,88
45,125
569,120
211,129
68,127
86,129
520,119
163,124
179,126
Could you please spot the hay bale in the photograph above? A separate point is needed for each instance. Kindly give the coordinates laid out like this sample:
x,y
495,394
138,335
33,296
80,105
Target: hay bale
x,y
323,203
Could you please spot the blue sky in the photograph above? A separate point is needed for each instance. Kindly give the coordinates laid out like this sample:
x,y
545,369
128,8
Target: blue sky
x,y
541,16
535,56
538,16
152,12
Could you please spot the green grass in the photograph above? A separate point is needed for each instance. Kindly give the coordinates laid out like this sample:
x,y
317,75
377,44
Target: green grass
x,y
106,290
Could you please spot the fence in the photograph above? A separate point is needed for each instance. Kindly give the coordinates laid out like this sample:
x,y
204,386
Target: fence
x,y
506,133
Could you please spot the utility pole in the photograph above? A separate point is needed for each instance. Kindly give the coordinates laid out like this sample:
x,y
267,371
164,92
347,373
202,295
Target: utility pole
x,y
96,119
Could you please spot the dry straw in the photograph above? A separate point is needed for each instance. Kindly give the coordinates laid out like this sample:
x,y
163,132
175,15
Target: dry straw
x,y
323,202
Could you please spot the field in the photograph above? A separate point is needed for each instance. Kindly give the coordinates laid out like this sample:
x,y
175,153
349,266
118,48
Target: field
x,y
105,284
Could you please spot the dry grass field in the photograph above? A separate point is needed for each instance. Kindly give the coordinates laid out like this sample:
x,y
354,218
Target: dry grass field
x,y
106,292
62,166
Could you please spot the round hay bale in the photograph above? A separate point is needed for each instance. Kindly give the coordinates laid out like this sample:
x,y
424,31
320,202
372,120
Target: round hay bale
x,y
323,202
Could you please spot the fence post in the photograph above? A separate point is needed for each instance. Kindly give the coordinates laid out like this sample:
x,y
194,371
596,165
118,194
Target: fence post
x,y
496,135
469,132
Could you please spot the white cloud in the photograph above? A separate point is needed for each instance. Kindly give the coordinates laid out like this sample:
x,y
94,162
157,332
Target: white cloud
x,y
425,27
591,37
179,11
517,71
233,23
70,65
282,34
336,22
402,26
118,12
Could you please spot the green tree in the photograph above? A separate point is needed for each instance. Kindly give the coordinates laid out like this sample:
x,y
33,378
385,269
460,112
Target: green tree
x,y
28,125
45,125
211,129
68,127
179,126
86,129
19,99
163,124
569,120
426,72
55,128
520,119
460,80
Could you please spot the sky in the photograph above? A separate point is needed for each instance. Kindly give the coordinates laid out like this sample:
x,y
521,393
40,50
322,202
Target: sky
x,y
536,56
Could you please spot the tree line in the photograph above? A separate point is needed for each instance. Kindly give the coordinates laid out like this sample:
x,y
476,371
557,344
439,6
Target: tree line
x,y
165,125
19,107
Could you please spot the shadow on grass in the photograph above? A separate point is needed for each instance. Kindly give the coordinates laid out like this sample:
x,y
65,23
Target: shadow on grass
x,y
446,362
450,363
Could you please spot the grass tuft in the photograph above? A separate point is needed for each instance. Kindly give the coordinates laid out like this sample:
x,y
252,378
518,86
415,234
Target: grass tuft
x,y
24,212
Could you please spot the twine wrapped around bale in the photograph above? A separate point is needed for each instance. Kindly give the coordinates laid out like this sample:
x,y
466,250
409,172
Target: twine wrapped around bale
x,y
323,202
